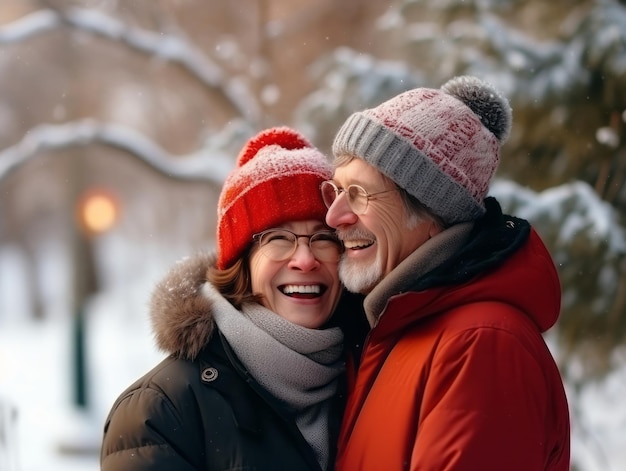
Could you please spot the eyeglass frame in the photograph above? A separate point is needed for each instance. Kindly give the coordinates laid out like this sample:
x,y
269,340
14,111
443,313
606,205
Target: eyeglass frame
x,y
259,236
362,193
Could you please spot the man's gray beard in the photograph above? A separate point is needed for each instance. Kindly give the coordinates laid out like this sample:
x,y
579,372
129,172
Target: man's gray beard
x,y
358,278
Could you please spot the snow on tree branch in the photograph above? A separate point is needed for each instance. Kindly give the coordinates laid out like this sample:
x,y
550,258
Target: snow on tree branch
x,y
171,48
211,166
582,231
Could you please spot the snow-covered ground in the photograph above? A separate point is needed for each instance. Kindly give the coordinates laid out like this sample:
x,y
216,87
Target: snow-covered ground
x,y
50,433
42,430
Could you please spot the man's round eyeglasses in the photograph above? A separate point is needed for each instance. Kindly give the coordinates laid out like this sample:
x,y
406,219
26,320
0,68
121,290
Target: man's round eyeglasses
x,y
280,244
358,197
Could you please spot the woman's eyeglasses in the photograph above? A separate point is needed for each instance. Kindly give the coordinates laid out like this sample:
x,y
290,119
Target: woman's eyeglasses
x,y
358,198
280,244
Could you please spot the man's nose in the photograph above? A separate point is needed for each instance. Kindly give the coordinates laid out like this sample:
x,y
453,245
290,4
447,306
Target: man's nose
x,y
339,213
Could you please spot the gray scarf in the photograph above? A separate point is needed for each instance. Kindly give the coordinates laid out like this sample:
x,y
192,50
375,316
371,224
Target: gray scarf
x,y
297,365
425,258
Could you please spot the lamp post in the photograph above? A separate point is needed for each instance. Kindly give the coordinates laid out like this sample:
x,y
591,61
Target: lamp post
x,y
97,212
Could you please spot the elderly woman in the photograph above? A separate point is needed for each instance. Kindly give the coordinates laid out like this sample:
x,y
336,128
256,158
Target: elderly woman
x,y
255,366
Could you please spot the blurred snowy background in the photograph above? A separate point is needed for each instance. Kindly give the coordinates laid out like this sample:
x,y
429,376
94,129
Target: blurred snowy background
x,y
119,121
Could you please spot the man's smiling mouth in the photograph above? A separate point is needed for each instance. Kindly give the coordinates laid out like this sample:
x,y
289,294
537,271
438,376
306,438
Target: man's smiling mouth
x,y
358,244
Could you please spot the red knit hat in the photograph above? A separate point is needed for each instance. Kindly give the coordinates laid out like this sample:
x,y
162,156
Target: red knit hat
x,y
276,180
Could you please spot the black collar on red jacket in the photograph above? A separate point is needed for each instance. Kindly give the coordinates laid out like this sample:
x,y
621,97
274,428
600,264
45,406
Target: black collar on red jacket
x,y
493,239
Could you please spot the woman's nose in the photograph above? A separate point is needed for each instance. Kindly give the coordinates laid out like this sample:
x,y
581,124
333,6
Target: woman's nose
x,y
303,258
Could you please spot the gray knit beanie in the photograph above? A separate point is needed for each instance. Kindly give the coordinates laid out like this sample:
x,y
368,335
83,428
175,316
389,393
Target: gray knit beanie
x,y
441,145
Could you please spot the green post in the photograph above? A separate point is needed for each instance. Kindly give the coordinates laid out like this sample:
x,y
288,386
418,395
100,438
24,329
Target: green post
x,y
79,370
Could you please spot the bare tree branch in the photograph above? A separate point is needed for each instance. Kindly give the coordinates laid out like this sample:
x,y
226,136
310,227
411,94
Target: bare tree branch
x,y
196,166
174,49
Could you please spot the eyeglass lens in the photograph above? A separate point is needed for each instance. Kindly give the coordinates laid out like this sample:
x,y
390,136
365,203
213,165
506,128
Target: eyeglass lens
x,y
357,196
280,244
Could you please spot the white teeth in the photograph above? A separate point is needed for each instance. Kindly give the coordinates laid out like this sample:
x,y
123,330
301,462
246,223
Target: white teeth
x,y
302,289
356,244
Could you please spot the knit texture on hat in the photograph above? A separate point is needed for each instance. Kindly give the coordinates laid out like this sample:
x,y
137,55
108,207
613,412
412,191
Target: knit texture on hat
x,y
441,145
276,180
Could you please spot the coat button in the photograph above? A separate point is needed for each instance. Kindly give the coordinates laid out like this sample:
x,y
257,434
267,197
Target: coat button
x,y
209,374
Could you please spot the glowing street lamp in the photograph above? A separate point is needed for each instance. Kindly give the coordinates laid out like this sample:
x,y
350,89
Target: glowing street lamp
x,y
97,211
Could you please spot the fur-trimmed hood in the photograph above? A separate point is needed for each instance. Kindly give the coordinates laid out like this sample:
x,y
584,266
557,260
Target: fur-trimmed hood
x,y
182,318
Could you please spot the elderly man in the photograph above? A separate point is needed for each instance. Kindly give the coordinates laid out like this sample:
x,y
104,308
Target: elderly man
x,y
455,373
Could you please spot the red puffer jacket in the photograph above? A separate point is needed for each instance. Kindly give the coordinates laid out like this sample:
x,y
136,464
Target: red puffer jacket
x,y
458,377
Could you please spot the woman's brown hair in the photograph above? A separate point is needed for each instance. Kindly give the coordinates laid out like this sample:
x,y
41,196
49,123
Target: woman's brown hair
x,y
234,282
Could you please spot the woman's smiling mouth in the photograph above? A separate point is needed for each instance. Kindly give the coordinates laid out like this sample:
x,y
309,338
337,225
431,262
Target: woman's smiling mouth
x,y
308,291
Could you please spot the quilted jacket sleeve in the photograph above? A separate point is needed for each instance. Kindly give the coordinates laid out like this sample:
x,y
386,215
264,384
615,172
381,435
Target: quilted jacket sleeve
x,y
144,432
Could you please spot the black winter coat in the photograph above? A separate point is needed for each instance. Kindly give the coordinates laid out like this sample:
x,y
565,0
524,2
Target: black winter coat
x,y
199,409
